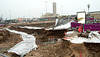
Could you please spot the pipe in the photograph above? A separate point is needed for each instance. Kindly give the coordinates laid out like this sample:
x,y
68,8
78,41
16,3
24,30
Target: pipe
x,y
3,55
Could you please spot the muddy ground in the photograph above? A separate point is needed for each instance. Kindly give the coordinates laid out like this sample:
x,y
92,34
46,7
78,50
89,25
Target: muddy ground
x,y
8,41
49,48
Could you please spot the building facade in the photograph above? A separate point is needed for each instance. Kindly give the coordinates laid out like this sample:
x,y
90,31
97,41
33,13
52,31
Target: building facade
x,y
54,9
95,15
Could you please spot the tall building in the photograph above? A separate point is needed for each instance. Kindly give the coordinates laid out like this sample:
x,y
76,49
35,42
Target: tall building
x,y
46,15
54,9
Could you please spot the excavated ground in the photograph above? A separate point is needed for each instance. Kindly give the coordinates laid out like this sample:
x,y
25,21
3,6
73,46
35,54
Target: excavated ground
x,y
8,41
63,48
66,49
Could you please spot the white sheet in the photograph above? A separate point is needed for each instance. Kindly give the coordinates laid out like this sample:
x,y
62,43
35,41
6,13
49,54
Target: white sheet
x,y
24,46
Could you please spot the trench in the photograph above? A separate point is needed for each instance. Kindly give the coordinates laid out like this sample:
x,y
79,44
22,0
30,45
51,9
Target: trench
x,y
93,48
66,49
42,35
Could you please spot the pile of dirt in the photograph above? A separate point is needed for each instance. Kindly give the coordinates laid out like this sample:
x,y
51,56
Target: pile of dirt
x,y
4,34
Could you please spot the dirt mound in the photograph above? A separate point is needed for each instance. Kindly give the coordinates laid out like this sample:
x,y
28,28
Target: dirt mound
x,y
4,34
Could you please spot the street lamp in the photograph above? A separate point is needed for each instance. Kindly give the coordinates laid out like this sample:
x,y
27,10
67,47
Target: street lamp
x,y
88,11
46,12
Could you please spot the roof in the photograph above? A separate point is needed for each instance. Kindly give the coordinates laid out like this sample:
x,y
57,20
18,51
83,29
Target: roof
x,y
94,11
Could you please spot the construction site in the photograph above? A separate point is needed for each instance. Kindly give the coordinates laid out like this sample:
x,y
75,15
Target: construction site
x,y
36,40
23,33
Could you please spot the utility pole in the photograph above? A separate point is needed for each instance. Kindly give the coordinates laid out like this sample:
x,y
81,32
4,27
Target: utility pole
x,y
88,11
46,5
46,12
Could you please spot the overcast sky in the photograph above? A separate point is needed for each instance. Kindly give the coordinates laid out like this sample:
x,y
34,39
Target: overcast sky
x,y
35,8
